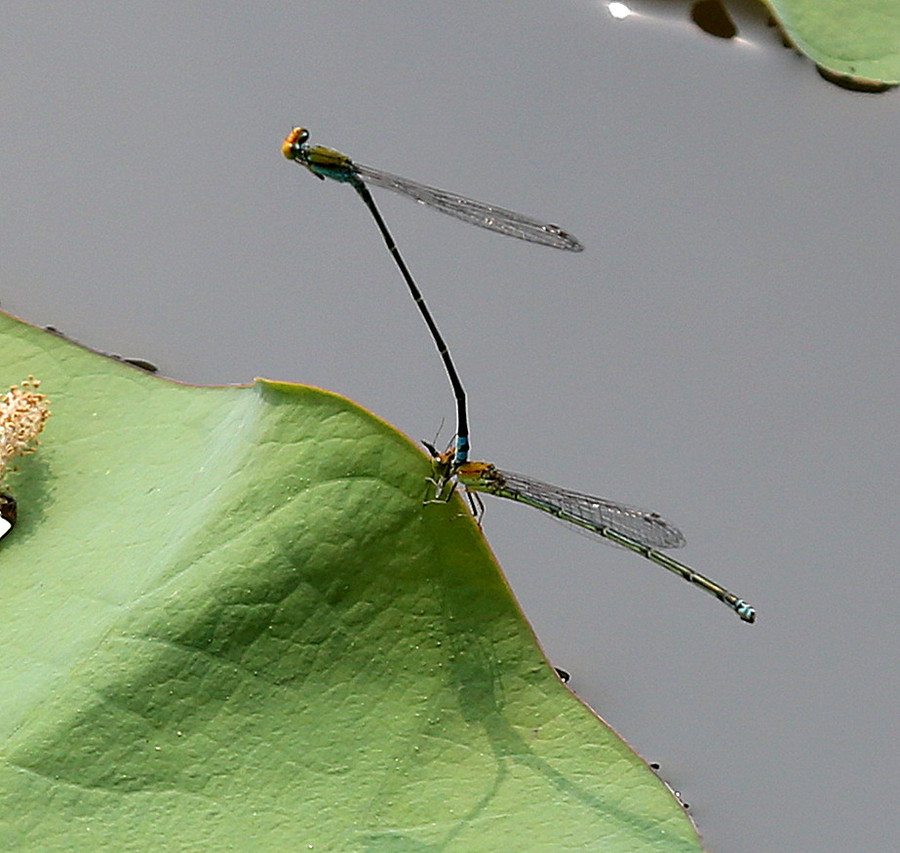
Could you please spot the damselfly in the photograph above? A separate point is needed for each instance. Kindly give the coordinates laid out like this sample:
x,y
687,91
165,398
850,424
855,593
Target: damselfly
x,y
328,163
635,529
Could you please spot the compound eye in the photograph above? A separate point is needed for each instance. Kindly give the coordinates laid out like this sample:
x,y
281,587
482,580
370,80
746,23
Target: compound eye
x,y
294,142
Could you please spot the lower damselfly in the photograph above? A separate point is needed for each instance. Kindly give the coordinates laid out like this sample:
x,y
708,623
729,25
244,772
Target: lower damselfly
x,y
637,530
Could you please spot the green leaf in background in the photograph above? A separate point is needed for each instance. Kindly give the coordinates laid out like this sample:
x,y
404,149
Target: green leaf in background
x,y
858,39
229,623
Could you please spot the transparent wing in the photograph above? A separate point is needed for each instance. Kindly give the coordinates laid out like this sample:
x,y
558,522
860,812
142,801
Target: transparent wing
x,y
475,212
647,528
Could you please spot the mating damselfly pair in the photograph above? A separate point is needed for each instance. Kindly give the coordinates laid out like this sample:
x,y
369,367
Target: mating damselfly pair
x,y
644,533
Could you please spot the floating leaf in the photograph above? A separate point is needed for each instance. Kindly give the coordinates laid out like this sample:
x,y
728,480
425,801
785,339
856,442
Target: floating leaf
x,y
845,37
229,622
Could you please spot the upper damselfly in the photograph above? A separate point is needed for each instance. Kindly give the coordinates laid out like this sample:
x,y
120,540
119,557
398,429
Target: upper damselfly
x,y
328,163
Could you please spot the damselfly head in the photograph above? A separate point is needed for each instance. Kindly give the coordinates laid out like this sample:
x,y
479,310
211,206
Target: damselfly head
x,y
444,459
442,463
443,473
294,142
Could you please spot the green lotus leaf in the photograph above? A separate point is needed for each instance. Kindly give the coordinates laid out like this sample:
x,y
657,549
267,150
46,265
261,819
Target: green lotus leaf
x,y
847,37
230,622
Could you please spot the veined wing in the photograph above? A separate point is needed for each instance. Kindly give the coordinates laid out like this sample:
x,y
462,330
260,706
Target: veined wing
x,y
647,528
478,213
